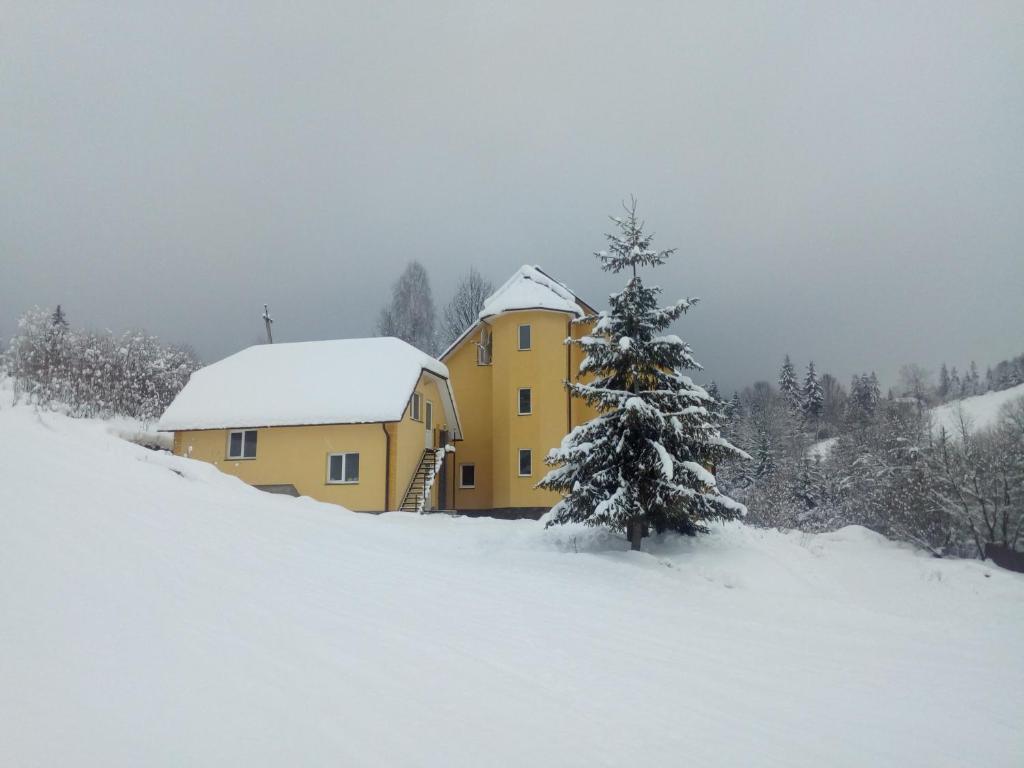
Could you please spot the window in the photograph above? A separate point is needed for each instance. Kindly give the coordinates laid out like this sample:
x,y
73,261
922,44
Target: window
x,y
525,401
343,468
483,347
524,337
415,406
467,476
525,462
429,421
242,444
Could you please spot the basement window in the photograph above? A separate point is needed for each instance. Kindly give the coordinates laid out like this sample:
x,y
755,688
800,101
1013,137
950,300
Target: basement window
x,y
343,468
525,462
525,401
467,476
242,444
524,338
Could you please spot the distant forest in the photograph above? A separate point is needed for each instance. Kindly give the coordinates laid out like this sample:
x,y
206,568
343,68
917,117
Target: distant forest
x,y
824,456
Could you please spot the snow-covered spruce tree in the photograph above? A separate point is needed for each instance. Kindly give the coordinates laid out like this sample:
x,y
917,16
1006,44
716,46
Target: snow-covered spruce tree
x,y
647,459
813,398
789,387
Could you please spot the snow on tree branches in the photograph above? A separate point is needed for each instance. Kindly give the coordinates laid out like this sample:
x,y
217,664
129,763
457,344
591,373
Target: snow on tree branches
x,y
94,374
647,459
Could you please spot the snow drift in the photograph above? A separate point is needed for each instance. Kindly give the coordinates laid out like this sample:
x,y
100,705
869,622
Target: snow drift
x,y
156,612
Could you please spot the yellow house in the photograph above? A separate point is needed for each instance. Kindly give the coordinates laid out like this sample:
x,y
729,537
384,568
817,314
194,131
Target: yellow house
x,y
364,423
508,372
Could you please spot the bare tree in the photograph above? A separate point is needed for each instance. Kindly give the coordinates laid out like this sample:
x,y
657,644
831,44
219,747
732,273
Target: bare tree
x,y
410,314
464,308
978,478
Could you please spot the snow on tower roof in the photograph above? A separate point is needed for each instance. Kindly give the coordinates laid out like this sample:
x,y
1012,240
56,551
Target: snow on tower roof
x,y
530,288
346,381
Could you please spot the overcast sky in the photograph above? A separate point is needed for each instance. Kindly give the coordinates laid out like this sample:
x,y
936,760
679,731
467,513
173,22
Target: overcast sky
x,y
844,181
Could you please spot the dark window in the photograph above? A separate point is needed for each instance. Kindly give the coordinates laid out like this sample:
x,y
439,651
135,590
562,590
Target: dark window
x,y
524,337
343,468
525,462
414,408
525,401
468,477
242,444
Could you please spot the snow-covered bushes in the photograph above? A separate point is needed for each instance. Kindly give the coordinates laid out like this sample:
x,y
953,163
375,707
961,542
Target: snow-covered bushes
x,y
90,373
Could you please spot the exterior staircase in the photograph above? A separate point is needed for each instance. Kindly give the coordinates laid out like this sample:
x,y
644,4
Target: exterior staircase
x,y
418,492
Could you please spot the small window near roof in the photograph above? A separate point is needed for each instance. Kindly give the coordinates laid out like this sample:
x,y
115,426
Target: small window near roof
x,y
524,337
343,468
525,462
242,444
416,406
483,348
525,401
467,476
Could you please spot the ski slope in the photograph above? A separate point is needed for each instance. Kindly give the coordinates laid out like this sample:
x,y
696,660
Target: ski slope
x,y
980,411
155,612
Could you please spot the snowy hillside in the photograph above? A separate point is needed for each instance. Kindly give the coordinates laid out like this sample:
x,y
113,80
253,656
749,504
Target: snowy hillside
x,y
981,411
156,612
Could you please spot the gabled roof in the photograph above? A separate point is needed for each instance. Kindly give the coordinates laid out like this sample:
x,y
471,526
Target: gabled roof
x,y
529,288
347,381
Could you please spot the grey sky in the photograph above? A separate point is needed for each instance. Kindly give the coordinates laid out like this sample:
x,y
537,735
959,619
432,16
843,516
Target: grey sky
x,y
843,180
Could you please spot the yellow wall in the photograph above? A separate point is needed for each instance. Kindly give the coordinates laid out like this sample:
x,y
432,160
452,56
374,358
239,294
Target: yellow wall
x,y
487,397
411,442
471,384
298,455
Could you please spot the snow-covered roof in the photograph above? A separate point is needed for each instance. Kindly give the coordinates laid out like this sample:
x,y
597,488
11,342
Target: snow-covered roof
x,y
347,381
530,288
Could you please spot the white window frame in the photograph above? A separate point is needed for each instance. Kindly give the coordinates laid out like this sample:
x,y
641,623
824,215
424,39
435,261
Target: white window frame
x,y
519,466
242,456
519,337
484,347
462,476
519,401
344,463
416,407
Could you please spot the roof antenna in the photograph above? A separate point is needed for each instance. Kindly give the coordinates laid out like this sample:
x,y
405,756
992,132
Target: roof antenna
x,y
268,320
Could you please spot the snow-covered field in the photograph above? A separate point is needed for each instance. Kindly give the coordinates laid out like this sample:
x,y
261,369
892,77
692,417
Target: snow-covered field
x,y
156,612
980,411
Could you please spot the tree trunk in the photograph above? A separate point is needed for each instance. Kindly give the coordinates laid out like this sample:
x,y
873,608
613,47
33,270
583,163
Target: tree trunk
x,y
636,534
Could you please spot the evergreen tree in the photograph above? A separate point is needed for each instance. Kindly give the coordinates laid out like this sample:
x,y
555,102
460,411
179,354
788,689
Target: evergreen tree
x,y
764,457
647,459
944,383
789,387
973,380
58,319
812,396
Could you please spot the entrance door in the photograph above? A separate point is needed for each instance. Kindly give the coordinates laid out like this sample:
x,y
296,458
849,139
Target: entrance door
x,y
428,423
